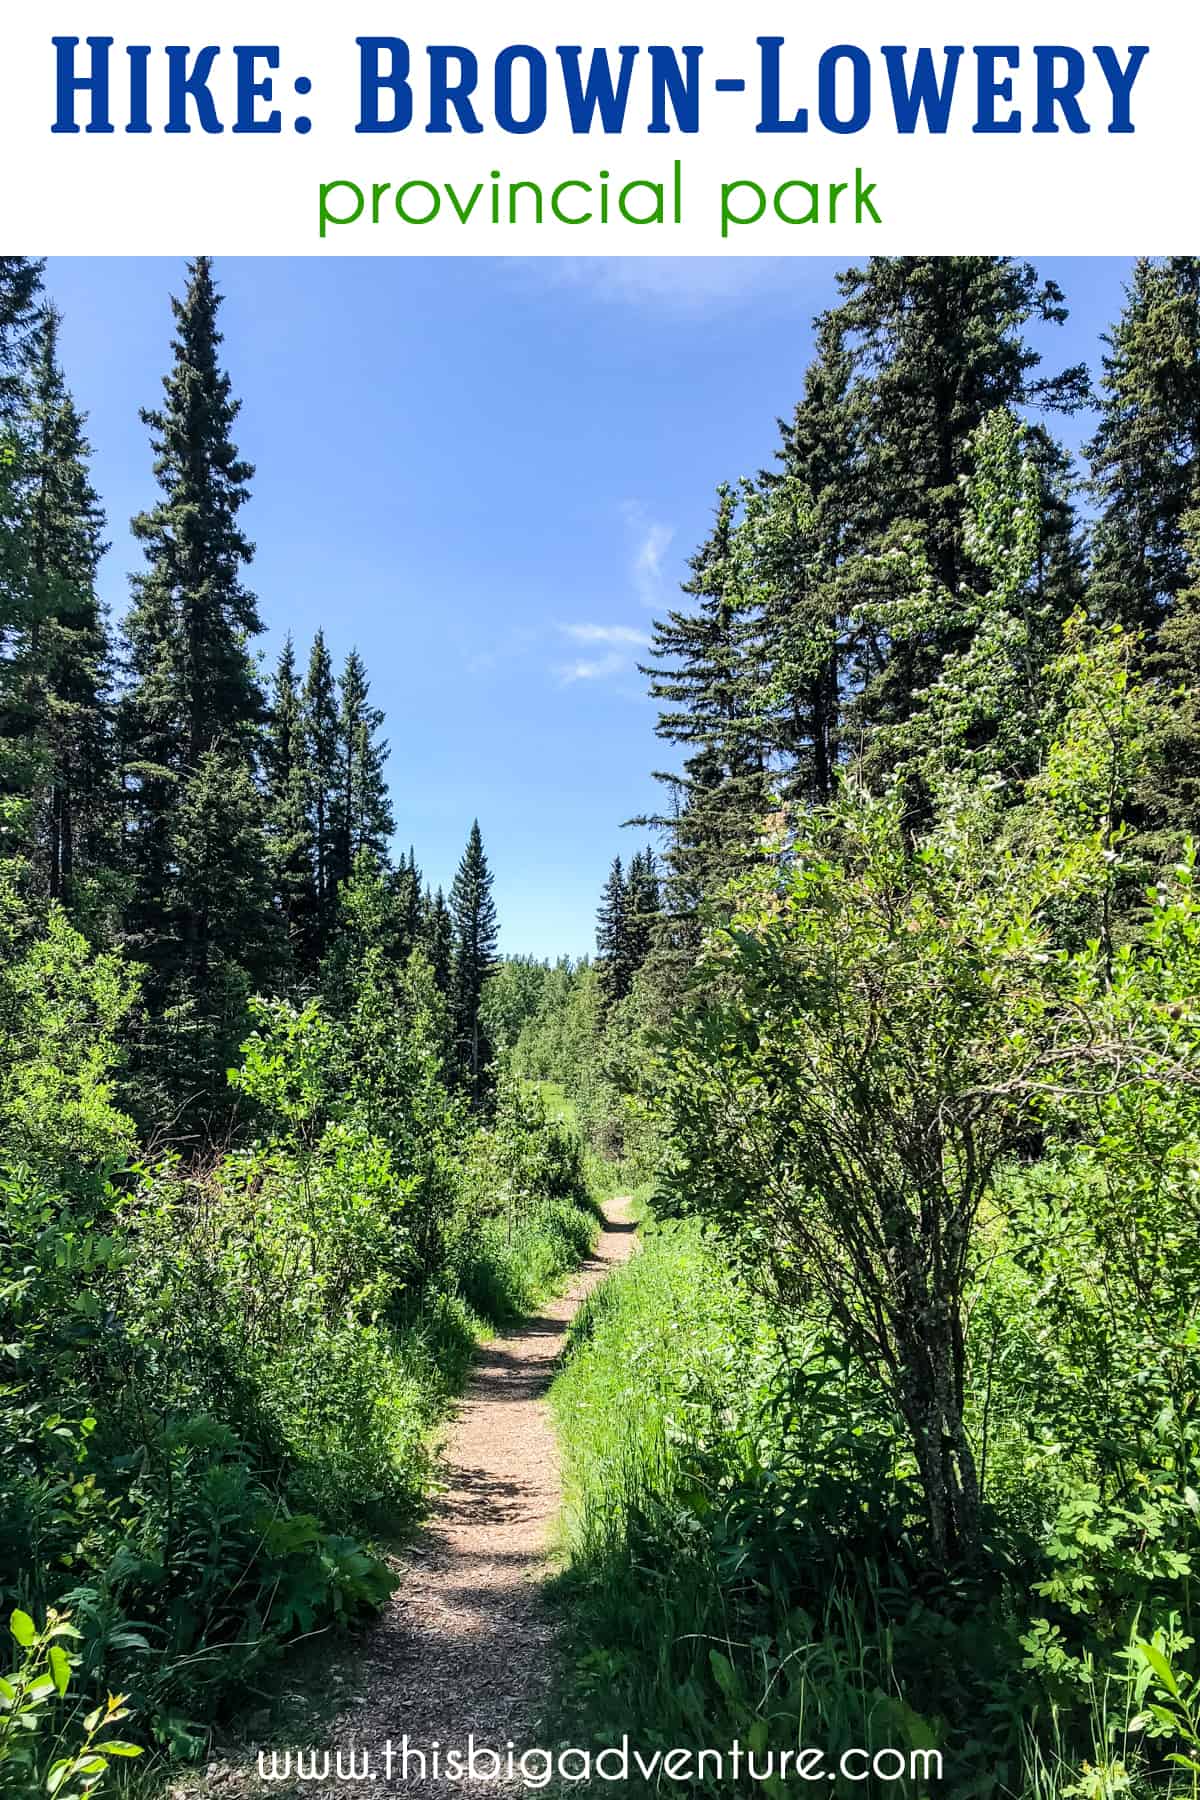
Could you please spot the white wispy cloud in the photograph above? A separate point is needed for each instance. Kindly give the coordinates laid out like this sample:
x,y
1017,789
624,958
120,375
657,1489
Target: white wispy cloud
x,y
651,541
596,668
605,634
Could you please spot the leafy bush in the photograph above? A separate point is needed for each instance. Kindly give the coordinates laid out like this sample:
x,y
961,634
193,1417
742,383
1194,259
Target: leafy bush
x,y
73,1763
61,1008
221,1377
745,1536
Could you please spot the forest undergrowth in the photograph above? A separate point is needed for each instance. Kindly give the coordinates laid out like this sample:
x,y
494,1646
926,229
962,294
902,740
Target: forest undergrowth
x,y
223,1408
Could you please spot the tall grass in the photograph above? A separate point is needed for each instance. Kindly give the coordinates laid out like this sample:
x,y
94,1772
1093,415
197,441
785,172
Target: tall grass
x,y
402,1375
516,1262
740,1563
658,1409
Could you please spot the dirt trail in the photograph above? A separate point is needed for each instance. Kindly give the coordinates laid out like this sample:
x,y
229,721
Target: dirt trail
x,y
464,1646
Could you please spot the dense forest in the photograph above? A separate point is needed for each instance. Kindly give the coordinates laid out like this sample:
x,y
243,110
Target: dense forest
x,y
263,1183
887,1437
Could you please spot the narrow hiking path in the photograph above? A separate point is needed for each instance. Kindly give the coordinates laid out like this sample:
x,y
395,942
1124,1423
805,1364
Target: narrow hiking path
x,y
465,1644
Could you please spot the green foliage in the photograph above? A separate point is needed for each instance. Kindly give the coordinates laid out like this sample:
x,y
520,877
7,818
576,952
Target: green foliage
x,y
222,1379
524,1222
289,777
65,659
475,938
257,1199
905,1450
159,1525
511,998
1171,1698
321,734
199,914
908,1454
62,1008
740,1503
597,1055
935,344
1144,452
707,666
730,1498
626,925
362,813
31,1697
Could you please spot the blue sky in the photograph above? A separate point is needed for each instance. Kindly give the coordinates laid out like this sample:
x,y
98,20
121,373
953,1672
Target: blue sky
x,y
487,475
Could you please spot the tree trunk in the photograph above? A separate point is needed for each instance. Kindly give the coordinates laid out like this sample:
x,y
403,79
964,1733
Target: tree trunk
x,y
931,1400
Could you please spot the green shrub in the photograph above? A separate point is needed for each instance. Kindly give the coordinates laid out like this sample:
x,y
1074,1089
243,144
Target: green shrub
x,y
743,1530
221,1379
62,1007
43,1747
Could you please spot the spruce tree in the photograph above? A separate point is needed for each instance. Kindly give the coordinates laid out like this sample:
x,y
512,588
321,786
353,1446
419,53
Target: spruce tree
x,y
708,669
20,314
321,729
437,939
410,905
192,619
288,808
809,506
362,814
990,710
68,644
221,882
612,937
475,941
20,764
642,908
1167,803
191,719
936,344
1145,454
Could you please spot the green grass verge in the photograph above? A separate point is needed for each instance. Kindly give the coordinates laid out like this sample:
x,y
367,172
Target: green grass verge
x,y
703,1599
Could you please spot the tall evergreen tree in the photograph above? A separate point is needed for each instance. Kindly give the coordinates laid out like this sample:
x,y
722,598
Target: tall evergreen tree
x,y
363,819
20,313
613,948
69,647
192,619
811,508
410,904
190,721
288,809
437,939
20,295
936,344
475,941
221,884
642,907
807,645
321,727
1167,803
707,669
1145,454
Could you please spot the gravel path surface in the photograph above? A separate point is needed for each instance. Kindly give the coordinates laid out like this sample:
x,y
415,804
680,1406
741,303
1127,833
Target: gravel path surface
x,y
465,1645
